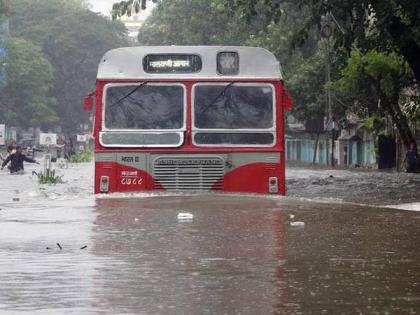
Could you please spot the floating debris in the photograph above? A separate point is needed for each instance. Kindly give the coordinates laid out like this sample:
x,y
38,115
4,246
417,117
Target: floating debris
x,y
16,199
291,216
83,247
297,223
185,216
59,246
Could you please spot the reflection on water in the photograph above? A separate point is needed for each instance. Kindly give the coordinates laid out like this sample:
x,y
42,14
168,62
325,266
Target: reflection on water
x,y
221,262
238,255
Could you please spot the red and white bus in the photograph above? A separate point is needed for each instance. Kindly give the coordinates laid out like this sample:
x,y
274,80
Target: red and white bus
x,y
189,118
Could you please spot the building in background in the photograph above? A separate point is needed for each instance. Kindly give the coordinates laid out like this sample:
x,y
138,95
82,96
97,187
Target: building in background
x,y
354,145
132,23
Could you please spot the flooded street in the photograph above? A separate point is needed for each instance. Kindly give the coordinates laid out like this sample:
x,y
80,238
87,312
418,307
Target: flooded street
x,y
65,251
360,187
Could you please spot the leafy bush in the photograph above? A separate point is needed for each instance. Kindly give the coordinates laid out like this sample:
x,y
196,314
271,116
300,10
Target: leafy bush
x,y
82,156
48,177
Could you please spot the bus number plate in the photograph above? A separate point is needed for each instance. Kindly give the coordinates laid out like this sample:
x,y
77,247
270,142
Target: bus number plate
x,y
130,178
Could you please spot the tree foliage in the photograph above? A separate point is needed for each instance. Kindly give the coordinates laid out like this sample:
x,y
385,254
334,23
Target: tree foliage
x,y
194,22
72,39
375,78
4,7
306,84
382,31
385,25
304,67
122,8
376,43
26,100
203,22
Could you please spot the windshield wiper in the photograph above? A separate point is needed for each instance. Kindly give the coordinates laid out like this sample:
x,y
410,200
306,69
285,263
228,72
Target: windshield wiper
x,y
128,94
217,97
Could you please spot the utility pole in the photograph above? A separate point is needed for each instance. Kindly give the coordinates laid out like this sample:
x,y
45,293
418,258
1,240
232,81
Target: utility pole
x,y
326,32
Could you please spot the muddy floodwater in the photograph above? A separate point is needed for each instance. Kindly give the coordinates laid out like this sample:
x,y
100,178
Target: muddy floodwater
x,y
341,242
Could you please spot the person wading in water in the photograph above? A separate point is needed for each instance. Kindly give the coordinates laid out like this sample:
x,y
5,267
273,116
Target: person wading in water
x,y
16,161
411,160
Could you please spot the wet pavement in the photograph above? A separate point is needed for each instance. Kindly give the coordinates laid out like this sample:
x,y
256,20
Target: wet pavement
x,y
65,251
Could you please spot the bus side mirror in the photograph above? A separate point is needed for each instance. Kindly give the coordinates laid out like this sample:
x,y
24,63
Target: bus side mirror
x,y
287,101
88,103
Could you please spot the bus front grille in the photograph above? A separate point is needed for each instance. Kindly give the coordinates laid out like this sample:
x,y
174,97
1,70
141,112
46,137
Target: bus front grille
x,y
189,173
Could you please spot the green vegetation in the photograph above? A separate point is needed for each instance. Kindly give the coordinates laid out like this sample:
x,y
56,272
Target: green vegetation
x,y
386,36
380,80
385,25
53,55
125,7
49,177
375,123
82,156
208,23
4,7
27,97
372,52
372,49
203,22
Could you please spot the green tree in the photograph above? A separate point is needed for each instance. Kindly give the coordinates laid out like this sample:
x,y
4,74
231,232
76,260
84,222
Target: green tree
x,y
374,78
306,84
73,39
194,22
304,67
26,101
203,22
385,25
4,7
126,7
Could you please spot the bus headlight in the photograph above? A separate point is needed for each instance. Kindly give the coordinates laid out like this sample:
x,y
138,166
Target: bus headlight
x,y
104,184
273,185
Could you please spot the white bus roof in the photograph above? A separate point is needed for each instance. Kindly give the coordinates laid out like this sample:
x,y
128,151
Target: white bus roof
x,y
127,63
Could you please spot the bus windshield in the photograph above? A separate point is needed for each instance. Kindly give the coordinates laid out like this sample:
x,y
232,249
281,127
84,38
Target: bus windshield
x,y
233,106
144,107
